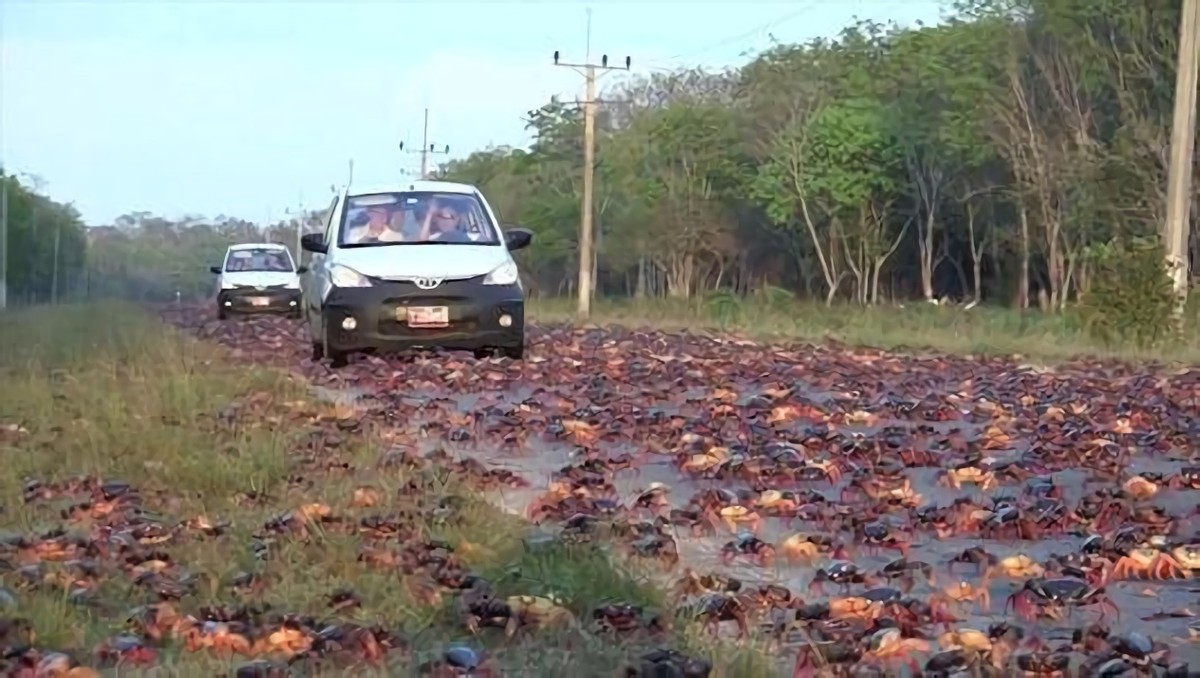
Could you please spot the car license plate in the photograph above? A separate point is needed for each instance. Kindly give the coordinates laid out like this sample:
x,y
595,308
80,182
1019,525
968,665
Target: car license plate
x,y
428,316
260,301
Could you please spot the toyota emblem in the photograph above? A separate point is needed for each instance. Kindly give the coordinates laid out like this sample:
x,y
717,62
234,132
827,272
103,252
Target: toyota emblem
x,y
427,283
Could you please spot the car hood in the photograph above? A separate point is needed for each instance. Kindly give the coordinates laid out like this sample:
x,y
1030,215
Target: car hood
x,y
260,278
424,261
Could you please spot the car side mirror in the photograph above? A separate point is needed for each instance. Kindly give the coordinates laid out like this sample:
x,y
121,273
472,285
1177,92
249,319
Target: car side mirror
x,y
301,269
314,242
517,238
215,269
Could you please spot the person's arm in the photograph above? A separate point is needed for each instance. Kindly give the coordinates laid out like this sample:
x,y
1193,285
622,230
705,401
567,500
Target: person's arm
x,y
428,221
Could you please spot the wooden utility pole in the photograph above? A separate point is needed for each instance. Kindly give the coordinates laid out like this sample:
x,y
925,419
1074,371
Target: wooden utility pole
x,y
4,242
586,256
427,149
54,280
300,217
1183,140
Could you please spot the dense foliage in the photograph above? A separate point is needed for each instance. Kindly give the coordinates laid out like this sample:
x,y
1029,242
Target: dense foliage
x,y
986,157
46,244
1013,154
147,258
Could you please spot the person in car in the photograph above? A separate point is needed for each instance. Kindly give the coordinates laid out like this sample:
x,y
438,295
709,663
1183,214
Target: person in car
x,y
376,228
443,222
277,262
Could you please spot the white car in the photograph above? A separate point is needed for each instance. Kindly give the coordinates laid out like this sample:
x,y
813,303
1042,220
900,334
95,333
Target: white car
x,y
258,278
422,264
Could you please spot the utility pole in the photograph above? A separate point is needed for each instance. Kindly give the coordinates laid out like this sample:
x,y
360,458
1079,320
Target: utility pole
x,y
427,149
350,180
1183,140
54,280
4,242
586,256
299,225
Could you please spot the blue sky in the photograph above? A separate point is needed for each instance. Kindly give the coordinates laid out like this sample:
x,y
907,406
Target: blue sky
x,y
248,108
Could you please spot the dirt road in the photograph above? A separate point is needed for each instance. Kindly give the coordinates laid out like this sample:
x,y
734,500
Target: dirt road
x,y
883,454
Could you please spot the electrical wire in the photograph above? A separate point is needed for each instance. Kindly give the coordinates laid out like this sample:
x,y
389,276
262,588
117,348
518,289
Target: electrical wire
x,y
753,33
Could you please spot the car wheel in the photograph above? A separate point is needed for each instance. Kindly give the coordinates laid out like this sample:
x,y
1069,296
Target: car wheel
x,y
484,353
314,337
221,314
337,359
514,352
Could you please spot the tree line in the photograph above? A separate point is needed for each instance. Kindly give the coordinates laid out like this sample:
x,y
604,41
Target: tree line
x,y
46,244
52,256
1003,155
1015,153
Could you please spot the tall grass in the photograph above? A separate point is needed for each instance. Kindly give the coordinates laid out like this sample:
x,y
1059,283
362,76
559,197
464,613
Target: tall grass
x,y
983,330
107,391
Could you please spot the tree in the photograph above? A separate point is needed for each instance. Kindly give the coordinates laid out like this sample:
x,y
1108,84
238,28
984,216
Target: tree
x,y
46,248
993,156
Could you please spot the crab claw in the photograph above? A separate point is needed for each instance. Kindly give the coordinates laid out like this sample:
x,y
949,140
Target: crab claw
x,y
803,667
1020,605
1108,604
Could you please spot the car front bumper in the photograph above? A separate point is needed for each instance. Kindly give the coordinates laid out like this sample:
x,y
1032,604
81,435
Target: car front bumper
x,y
480,316
269,300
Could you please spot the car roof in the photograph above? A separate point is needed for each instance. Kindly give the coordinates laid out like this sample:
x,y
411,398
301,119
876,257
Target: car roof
x,y
421,186
258,246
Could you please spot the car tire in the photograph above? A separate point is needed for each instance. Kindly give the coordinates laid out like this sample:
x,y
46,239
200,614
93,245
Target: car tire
x,y
315,338
221,314
514,352
337,359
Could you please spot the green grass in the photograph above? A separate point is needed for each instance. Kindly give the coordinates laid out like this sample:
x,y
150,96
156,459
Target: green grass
x,y
915,326
108,392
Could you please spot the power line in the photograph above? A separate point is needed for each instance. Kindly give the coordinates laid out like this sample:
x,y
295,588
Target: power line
x,y
756,32
738,37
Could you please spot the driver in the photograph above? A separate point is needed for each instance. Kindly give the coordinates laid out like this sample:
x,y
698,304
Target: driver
x,y
378,227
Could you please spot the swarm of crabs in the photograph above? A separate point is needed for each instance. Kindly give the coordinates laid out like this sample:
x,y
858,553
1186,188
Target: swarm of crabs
x,y
857,511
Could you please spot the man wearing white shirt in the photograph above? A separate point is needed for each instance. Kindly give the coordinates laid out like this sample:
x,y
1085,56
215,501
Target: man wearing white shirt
x,y
377,228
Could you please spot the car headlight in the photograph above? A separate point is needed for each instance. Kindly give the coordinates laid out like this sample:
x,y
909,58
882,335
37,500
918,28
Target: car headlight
x,y
504,274
225,285
293,284
342,276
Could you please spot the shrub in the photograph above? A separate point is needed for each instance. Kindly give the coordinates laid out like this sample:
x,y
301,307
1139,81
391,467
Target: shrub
x,y
1130,298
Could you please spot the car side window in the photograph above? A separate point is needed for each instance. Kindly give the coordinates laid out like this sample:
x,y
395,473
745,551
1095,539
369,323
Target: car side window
x,y
330,221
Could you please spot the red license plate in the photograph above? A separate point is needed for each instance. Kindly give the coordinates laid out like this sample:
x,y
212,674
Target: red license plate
x,y
428,316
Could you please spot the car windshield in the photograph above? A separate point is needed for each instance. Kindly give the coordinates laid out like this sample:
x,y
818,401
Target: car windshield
x,y
416,218
253,260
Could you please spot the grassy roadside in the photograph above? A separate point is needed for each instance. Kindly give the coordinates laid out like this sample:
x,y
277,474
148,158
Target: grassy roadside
x,y
107,392
978,331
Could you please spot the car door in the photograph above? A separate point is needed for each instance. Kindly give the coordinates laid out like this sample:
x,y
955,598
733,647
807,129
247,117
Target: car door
x,y
317,278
